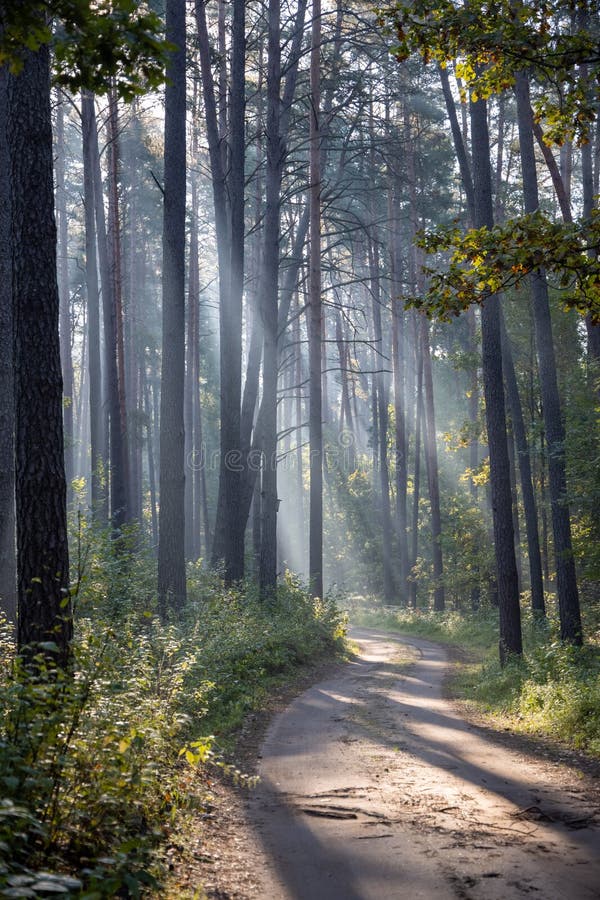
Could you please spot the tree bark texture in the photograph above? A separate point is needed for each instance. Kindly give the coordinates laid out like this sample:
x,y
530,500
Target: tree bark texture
x,y
44,609
389,588
269,292
114,453
88,124
8,571
64,294
508,586
228,545
118,421
315,565
433,477
527,491
171,522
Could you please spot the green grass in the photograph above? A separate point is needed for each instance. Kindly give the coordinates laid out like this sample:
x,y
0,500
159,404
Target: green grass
x,y
553,690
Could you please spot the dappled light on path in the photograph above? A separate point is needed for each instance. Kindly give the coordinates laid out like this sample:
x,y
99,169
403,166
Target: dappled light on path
x,y
374,787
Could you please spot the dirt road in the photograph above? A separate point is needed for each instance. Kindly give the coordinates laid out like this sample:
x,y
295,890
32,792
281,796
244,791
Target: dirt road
x,y
373,787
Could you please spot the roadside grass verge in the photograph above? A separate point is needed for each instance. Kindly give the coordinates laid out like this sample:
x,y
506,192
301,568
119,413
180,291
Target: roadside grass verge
x,y
553,691
97,765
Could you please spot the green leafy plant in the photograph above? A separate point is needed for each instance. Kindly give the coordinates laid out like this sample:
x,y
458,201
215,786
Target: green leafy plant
x,y
96,763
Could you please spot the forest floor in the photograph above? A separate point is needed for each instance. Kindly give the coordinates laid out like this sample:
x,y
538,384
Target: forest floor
x,y
375,785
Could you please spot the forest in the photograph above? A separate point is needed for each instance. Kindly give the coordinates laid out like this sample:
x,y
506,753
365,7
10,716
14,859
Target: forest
x,y
299,330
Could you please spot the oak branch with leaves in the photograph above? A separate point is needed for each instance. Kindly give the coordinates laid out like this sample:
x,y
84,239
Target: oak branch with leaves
x,y
96,44
487,261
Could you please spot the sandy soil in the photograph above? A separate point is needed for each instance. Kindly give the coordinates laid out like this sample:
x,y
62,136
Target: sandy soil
x,y
374,786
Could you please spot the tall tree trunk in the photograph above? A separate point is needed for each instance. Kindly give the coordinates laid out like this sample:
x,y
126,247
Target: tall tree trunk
x,y
222,80
44,610
400,431
429,432
474,441
508,586
192,388
347,435
515,502
229,220
151,461
88,124
566,579
65,295
198,519
431,458
116,276
8,572
382,416
171,522
412,587
269,291
315,565
537,587
131,311
82,437
275,166
301,535
116,453
459,141
527,491
295,262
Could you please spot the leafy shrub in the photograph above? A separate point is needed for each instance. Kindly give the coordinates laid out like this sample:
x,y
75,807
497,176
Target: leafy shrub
x,y
92,769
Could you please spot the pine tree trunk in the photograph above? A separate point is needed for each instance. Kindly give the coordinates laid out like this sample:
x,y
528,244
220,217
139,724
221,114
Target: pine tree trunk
x,y
44,610
527,491
82,436
269,292
65,296
8,572
515,503
199,514
459,142
230,526
192,388
398,362
346,422
315,565
136,279
431,458
568,596
171,522
389,592
151,462
412,587
114,239
88,125
466,175
300,529
115,457
508,586
474,442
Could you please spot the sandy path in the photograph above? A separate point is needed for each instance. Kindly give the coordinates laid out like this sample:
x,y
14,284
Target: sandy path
x,y
373,787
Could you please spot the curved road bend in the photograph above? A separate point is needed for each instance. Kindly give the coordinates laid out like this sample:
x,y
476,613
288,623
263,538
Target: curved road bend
x,y
373,787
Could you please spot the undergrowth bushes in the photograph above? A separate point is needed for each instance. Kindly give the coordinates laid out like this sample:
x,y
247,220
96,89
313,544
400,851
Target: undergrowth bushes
x,y
93,763
553,690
